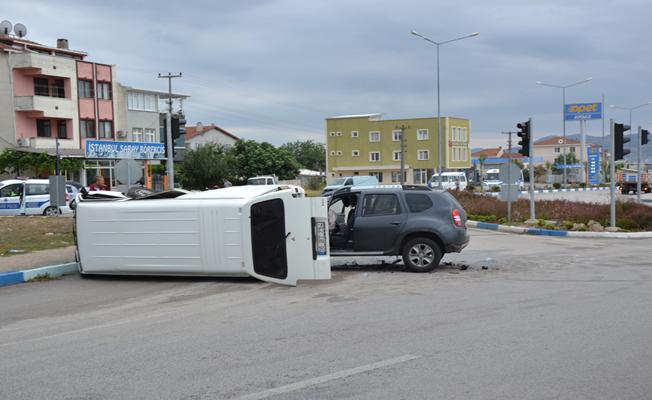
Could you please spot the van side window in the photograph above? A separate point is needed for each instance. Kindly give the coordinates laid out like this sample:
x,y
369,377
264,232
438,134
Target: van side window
x,y
380,204
11,190
34,189
348,182
418,202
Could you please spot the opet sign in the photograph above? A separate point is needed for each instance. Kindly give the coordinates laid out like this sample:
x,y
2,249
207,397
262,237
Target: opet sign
x,y
575,112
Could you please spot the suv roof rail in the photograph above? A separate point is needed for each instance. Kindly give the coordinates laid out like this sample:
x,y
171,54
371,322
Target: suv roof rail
x,y
417,187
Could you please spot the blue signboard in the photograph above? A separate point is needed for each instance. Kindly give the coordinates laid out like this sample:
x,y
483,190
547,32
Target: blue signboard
x,y
130,150
576,112
594,165
568,166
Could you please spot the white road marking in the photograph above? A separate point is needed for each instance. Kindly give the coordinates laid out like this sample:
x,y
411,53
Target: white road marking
x,y
327,378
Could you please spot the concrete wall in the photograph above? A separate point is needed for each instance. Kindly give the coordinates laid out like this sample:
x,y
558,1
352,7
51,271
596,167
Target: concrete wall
x,y
7,123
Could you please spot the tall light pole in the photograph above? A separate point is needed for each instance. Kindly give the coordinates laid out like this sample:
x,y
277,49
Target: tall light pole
x,y
638,146
439,133
563,105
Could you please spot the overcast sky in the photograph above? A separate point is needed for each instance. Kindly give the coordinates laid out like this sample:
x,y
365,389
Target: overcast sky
x,y
274,70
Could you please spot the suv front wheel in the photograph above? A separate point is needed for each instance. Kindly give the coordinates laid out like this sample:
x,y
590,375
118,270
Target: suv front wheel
x,y
421,255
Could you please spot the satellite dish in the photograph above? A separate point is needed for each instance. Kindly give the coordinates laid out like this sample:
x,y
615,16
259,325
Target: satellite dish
x,y
20,30
5,27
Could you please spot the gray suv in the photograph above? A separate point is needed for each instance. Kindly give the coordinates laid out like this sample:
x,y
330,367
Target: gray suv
x,y
415,222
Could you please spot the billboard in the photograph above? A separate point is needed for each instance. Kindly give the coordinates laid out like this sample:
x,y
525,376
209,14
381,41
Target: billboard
x,y
594,165
129,150
579,111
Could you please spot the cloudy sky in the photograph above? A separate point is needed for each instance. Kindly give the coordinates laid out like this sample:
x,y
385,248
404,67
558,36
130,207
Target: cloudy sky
x,y
274,70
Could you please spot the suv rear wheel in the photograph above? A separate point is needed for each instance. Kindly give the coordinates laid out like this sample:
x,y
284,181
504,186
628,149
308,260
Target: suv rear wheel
x,y
421,255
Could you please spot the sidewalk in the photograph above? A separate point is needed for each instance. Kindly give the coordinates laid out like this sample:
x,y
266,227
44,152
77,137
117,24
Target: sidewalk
x,y
37,259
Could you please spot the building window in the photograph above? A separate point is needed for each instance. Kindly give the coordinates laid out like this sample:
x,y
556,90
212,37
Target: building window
x,y
420,176
331,134
103,91
355,153
396,177
105,129
142,102
422,134
137,134
87,128
374,156
59,88
396,136
355,133
572,149
150,135
62,129
374,136
338,133
423,155
465,134
85,88
557,149
41,87
339,152
396,155
332,153
43,128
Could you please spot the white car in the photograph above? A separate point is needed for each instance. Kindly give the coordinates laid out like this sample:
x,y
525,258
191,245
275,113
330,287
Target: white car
x,y
449,181
28,197
262,180
273,233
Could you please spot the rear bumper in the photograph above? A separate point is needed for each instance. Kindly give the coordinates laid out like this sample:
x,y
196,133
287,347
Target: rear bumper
x,y
460,243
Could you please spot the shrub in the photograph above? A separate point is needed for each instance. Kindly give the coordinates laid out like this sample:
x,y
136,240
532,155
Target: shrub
x,y
556,185
470,186
495,188
583,185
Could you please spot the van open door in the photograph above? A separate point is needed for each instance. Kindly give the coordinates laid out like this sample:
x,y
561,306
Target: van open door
x,y
289,240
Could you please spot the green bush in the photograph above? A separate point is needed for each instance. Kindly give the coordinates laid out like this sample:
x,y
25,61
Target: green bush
x,y
495,188
556,185
470,186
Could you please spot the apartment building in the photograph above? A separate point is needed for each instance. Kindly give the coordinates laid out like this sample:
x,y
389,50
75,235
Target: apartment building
x,y
548,149
368,145
54,94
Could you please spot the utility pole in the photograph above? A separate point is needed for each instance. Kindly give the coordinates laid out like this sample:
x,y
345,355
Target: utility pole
x,y
168,124
403,128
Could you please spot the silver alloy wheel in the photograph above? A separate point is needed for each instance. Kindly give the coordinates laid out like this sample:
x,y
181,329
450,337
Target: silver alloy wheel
x,y
50,211
421,254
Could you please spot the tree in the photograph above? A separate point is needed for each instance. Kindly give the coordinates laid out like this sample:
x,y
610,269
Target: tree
x,y
206,167
309,154
42,164
254,159
570,159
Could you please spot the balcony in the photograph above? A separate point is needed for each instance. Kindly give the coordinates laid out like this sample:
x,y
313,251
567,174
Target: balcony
x,y
44,106
43,64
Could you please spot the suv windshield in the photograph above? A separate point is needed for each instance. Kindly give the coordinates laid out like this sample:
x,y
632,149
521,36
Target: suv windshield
x,y
339,181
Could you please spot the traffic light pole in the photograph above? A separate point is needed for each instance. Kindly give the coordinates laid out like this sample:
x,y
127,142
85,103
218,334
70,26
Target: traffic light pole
x,y
612,173
169,164
531,169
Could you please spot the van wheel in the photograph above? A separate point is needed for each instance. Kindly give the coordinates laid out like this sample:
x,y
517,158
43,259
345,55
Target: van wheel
x,y
52,210
421,255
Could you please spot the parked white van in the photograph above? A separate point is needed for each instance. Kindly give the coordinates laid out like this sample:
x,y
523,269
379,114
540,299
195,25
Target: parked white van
x,y
28,197
273,233
449,180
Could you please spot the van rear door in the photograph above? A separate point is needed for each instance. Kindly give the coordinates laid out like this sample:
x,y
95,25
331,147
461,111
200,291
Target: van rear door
x,y
289,240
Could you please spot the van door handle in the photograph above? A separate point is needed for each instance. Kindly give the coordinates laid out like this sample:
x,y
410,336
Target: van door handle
x,y
395,223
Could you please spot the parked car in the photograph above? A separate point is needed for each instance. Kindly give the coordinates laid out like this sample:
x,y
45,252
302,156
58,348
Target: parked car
x,y
449,180
273,233
29,197
415,222
356,180
262,180
492,179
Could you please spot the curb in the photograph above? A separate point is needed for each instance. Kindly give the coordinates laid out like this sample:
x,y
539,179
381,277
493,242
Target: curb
x,y
51,271
551,232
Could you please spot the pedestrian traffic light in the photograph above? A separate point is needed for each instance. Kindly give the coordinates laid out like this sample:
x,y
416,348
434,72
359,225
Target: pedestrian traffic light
x,y
619,140
178,125
645,137
524,134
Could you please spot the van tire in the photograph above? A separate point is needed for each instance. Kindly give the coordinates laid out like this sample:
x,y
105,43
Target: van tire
x,y
421,255
51,210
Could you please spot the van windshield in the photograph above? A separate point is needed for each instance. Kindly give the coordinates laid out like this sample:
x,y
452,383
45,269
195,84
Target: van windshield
x,y
339,181
493,176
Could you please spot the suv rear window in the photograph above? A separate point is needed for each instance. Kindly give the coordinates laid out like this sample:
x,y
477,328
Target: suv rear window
x,y
418,202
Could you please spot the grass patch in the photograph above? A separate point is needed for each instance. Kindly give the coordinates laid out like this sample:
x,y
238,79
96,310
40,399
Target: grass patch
x,y
34,233
42,278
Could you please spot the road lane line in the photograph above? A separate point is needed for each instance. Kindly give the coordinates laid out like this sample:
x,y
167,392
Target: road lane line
x,y
327,378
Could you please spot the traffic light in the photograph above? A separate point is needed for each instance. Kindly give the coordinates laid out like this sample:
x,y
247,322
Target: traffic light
x,y
645,136
178,125
524,134
619,137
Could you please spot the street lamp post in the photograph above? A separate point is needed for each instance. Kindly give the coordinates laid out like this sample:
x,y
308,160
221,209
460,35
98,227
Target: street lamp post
x,y
638,146
563,105
439,135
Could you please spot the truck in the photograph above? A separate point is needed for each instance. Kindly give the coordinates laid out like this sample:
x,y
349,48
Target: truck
x,y
626,181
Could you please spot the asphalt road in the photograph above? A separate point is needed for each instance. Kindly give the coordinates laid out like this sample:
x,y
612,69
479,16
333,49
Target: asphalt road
x,y
552,318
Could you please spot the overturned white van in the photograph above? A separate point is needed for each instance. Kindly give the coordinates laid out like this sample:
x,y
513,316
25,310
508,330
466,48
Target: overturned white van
x,y
273,233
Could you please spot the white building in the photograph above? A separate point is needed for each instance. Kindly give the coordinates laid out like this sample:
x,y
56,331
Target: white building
x,y
200,135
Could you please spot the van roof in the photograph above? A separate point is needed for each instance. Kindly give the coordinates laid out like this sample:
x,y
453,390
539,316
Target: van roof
x,y
237,192
451,173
